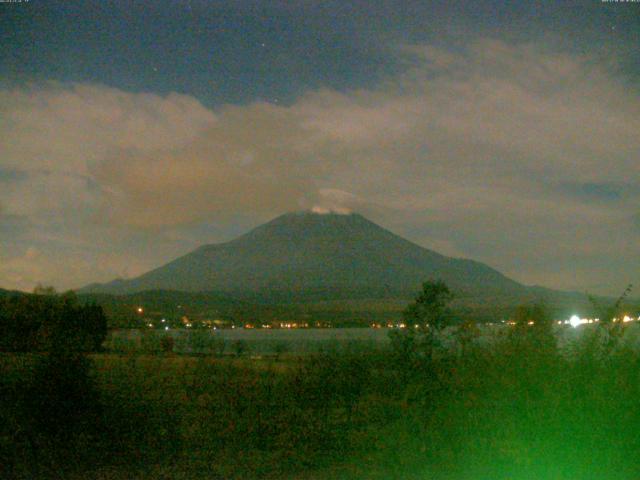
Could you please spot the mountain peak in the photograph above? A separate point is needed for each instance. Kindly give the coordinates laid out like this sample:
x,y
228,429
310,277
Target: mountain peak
x,y
317,212
310,224
335,211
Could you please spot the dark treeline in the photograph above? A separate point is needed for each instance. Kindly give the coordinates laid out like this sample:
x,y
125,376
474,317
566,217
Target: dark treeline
x,y
46,321
516,407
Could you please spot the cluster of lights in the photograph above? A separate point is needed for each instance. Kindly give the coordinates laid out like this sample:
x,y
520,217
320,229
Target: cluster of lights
x,y
185,321
294,325
380,325
400,325
575,321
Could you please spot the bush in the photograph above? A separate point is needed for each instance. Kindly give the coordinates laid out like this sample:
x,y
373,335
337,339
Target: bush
x,y
240,348
166,344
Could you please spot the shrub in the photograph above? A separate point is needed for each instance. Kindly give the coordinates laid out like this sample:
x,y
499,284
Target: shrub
x,y
167,344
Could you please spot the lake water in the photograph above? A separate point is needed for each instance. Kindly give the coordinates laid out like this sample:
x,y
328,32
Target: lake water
x,y
257,341
301,341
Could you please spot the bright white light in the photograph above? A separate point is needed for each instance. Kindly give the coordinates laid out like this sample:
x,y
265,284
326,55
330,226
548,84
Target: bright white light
x,y
166,328
575,321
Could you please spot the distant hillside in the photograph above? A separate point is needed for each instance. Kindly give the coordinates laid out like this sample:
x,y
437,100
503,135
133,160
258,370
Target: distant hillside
x,y
165,299
122,310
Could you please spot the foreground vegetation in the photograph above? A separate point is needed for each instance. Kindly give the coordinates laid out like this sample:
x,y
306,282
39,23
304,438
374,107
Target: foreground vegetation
x,y
516,407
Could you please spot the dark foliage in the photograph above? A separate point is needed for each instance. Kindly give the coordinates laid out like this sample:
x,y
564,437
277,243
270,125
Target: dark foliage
x,y
45,321
424,320
511,406
167,344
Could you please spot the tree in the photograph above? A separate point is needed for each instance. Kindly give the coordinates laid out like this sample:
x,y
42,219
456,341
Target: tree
x,y
521,318
534,327
47,321
542,322
44,290
93,323
466,333
607,314
424,320
75,327
430,309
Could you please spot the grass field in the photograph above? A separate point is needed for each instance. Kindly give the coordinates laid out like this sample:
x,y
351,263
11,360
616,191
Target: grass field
x,y
513,409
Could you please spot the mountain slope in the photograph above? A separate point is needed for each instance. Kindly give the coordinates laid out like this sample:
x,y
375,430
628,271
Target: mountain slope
x,y
308,255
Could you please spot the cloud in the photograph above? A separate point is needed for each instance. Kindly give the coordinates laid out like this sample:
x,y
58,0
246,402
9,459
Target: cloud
x,y
332,200
517,155
602,191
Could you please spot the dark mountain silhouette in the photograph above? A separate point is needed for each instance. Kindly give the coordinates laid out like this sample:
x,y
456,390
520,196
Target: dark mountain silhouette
x,y
309,256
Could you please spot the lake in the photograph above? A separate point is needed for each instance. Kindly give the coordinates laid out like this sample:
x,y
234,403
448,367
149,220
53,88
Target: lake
x,y
304,340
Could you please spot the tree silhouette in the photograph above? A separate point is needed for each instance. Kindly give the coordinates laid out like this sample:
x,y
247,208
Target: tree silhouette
x,y
45,321
430,309
424,320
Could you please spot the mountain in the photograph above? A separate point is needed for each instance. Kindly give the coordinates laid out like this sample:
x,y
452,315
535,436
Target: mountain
x,y
310,256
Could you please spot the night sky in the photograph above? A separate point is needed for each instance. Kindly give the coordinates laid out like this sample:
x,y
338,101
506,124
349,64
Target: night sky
x,y
133,132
